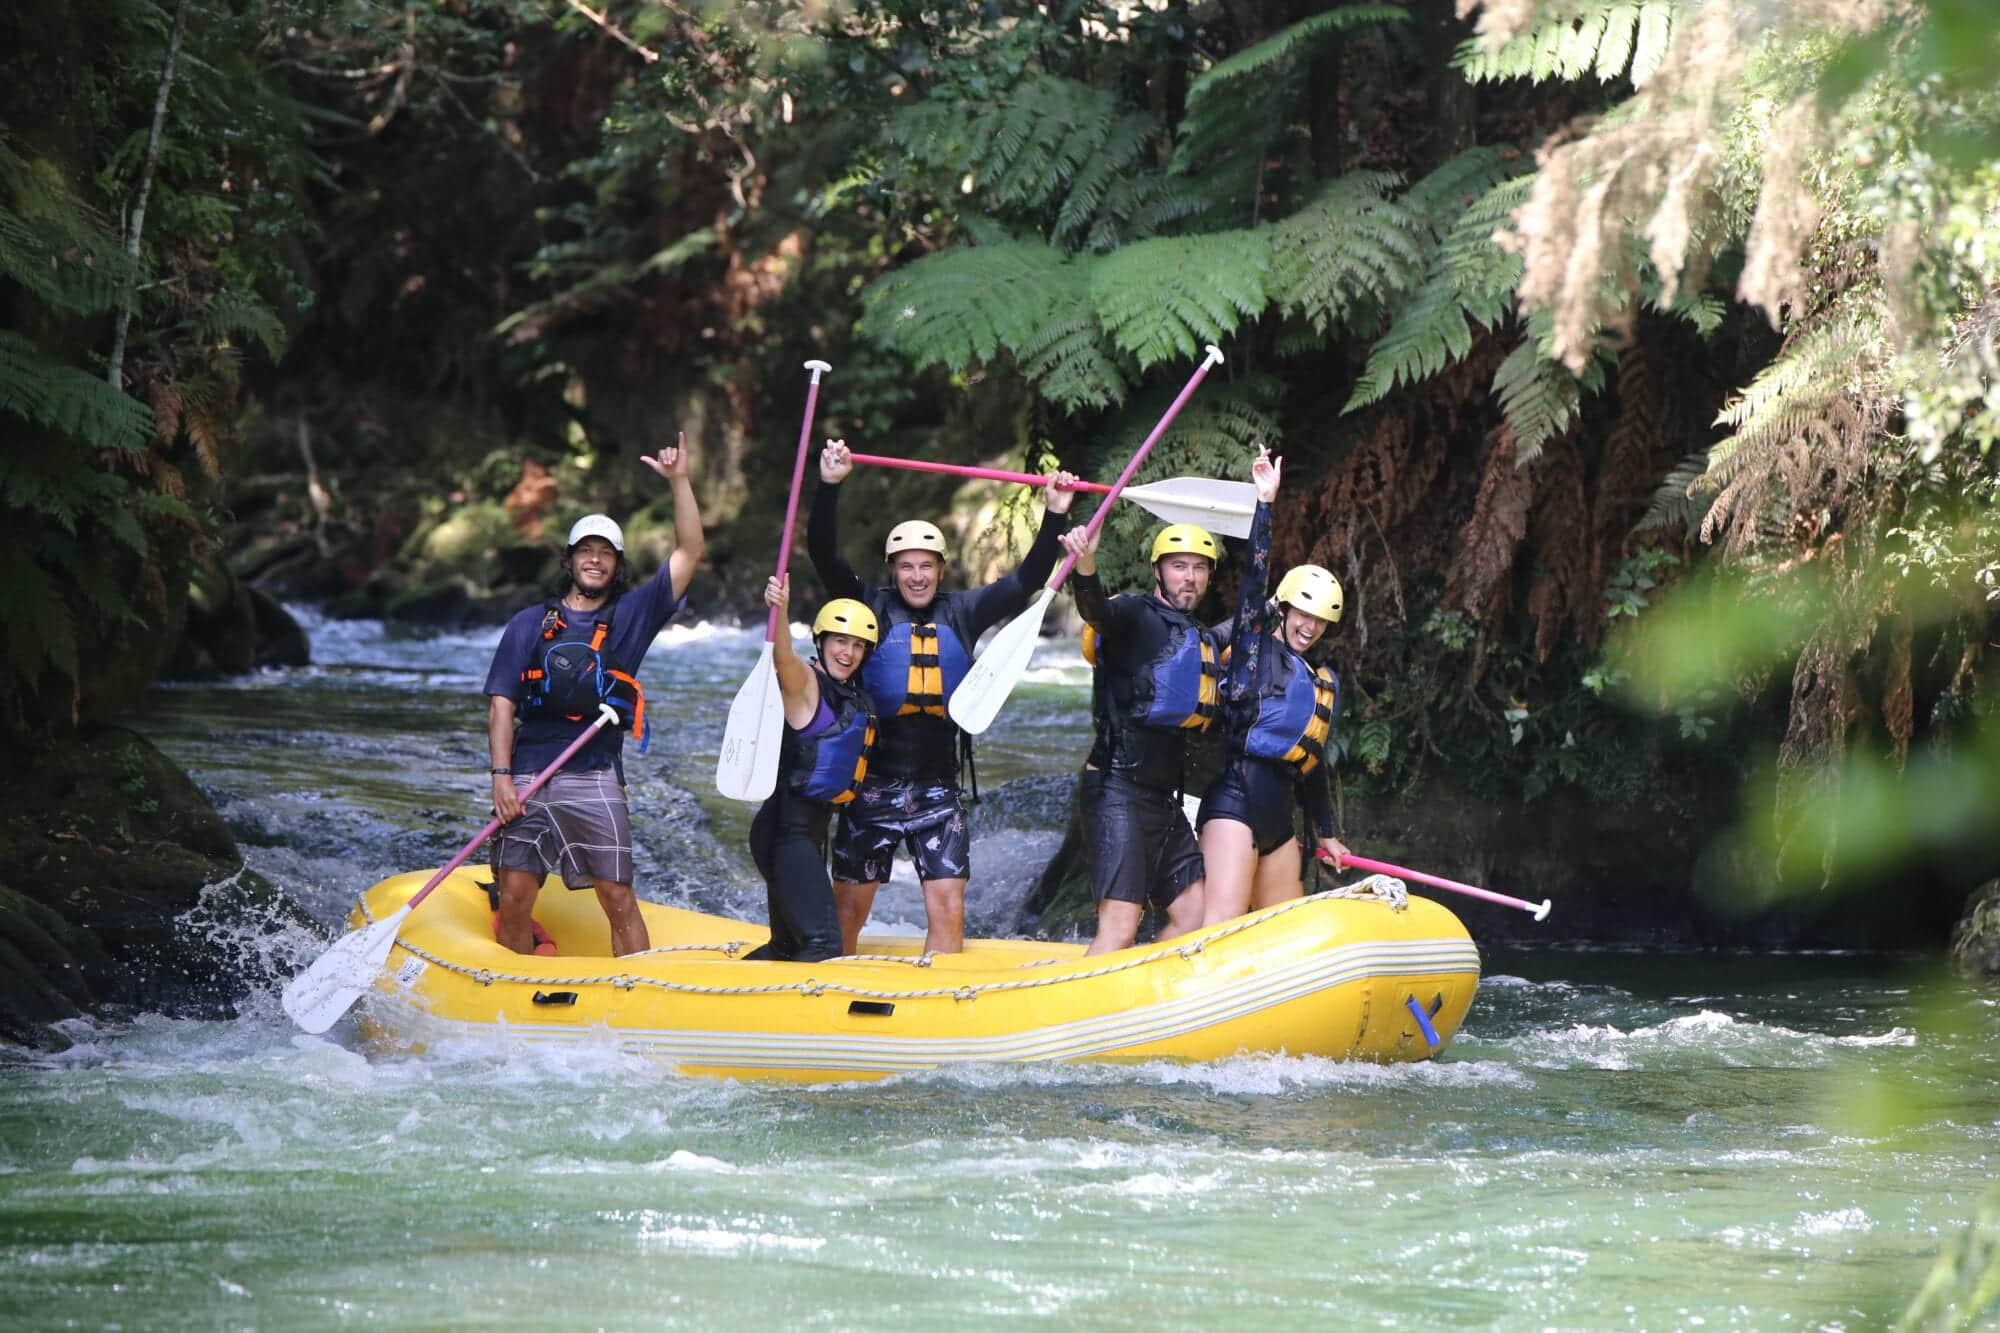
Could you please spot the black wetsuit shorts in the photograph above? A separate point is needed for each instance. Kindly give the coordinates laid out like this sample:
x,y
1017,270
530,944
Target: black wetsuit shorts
x,y
1138,841
1258,793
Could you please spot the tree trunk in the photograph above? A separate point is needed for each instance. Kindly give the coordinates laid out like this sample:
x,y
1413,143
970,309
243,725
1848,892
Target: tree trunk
x,y
115,372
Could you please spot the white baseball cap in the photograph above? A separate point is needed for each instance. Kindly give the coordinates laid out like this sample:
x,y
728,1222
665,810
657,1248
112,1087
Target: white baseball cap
x,y
597,525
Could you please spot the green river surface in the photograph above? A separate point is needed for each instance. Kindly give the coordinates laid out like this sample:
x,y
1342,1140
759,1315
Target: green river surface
x,y
1616,1139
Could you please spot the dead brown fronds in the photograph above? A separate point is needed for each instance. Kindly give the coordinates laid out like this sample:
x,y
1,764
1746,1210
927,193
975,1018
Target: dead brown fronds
x,y
1477,580
1562,594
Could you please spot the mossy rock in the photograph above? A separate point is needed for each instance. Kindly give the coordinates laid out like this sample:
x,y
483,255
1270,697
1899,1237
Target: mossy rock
x,y
44,961
108,848
1975,942
436,602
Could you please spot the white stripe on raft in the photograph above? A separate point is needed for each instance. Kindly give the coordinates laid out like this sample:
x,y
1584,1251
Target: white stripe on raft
x,y
1062,1041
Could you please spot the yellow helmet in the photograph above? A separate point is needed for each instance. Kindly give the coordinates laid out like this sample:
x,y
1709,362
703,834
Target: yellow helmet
x,y
1185,538
844,615
1312,590
915,535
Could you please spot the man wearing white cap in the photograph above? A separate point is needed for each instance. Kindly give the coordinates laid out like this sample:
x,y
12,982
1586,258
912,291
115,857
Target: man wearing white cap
x,y
555,663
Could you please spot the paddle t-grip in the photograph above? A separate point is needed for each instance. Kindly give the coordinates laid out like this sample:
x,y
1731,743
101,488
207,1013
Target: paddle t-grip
x,y
818,368
1213,359
1540,911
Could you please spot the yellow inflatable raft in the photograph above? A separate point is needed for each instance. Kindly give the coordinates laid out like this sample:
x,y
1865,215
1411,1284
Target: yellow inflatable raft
x,y
1365,976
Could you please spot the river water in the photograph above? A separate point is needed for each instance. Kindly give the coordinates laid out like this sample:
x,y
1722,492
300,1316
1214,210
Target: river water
x,y
1616,1140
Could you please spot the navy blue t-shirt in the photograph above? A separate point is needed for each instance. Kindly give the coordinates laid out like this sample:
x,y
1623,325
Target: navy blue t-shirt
x,y
637,617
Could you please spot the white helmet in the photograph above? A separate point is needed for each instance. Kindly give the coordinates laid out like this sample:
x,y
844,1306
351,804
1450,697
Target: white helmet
x,y
915,535
597,525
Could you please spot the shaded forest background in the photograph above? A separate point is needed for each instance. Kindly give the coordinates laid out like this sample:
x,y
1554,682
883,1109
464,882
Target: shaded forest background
x,y
1633,362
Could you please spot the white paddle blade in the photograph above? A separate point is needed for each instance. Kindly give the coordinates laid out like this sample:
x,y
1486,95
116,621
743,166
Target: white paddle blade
x,y
317,997
747,768
1220,506
976,701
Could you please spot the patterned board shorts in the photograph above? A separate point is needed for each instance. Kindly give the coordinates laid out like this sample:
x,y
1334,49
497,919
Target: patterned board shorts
x,y
577,824
888,813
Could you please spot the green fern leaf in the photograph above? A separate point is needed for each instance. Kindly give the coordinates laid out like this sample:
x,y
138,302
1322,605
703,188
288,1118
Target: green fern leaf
x,y
68,400
1051,150
1296,39
1230,120
1680,501
959,307
1162,299
1070,364
1470,281
236,313
1601,39
1351,247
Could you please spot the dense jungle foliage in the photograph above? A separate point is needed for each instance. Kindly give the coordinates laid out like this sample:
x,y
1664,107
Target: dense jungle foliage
x,y
1551,307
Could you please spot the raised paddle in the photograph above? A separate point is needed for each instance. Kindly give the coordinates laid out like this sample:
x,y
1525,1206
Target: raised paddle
x,y
992,678
747,768
1221,506
1540,911
317,997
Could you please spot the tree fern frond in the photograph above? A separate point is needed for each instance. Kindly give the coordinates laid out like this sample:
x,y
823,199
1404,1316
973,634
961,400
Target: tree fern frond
x,y
1351,246
1539,397
68,400
1161,299
1230,121
235,312
1225,139
1469,281
1821,365
1467,180
1095,183
1682,498
1603,39
958,307
1069,363
1049,146
1297,39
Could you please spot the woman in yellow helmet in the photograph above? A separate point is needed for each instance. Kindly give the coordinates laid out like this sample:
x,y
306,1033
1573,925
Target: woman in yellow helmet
x,y
829,731
1280,711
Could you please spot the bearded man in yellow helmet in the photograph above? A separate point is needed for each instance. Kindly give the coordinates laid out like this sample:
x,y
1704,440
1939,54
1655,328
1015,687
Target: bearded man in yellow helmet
x,y
1279,709
910,797
1157,683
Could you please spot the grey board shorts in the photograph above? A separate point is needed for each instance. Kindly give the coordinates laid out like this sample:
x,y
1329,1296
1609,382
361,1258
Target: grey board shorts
x,y
577,825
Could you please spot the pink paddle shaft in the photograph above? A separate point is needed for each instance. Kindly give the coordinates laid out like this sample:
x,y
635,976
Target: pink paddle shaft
x,y
961,470
541,778
1104,510
817,368
1540,909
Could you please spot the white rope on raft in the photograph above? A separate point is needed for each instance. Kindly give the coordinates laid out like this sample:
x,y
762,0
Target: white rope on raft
x,y
1394,895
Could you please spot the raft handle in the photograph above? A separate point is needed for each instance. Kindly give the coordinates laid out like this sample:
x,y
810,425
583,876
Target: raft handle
x,y
555,997
876,1007
1423,1022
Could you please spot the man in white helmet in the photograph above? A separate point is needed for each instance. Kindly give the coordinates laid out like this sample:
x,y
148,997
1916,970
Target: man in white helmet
x,y
910,797
555,663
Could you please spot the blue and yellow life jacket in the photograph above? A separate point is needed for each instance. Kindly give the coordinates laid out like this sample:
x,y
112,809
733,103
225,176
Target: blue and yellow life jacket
x,y
570,677
1182,685
1293,711
916,668
829,766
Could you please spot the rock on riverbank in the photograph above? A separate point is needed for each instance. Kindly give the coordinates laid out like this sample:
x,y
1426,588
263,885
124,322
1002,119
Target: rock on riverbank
x,y
109,857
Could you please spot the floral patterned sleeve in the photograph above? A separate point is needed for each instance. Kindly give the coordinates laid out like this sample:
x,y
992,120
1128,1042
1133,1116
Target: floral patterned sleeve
x,y
1245,639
